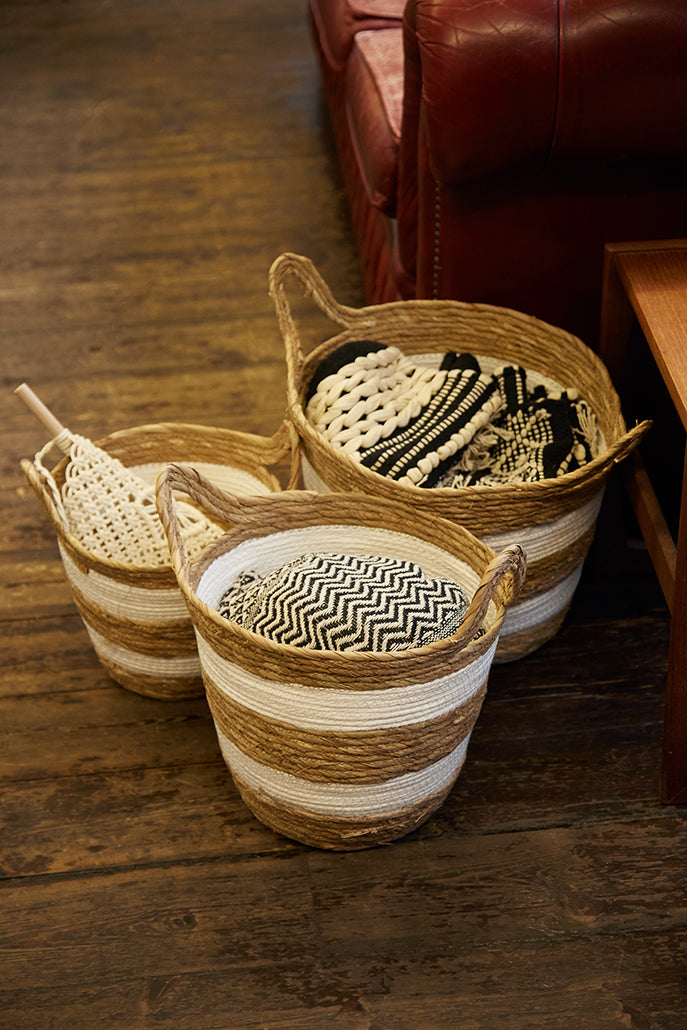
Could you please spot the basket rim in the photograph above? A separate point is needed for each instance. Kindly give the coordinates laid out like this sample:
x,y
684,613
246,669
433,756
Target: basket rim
x,y
578,478
374,317
230,541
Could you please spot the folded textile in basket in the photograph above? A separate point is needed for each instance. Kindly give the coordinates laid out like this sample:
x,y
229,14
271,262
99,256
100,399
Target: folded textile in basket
x,y
453,425
342,602
537,434
400,419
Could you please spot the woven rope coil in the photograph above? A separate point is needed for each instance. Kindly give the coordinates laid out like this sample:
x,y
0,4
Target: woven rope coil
x,y
497,514
129,600
338,749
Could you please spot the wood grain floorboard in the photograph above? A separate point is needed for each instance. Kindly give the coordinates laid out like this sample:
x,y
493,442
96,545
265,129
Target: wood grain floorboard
x,y
155,157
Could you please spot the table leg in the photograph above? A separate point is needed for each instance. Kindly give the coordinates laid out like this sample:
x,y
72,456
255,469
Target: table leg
x,y
617,316
674,760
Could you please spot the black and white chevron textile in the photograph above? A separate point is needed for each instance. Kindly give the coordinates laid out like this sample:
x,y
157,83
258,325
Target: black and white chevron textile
x,y
341,602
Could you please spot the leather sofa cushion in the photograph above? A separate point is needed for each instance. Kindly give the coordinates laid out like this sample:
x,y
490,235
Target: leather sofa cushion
x,y
584,80
339,21
622,81
374,107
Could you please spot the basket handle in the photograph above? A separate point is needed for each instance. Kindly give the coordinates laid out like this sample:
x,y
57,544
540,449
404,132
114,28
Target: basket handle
x,y
627,443
218,503
45,488
314,285
512,561
229,508
286,441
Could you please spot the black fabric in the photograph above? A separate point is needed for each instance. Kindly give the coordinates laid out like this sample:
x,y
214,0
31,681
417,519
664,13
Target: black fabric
x,y
344,354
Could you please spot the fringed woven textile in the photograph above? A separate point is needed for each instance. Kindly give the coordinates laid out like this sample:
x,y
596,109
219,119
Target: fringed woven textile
x,y
452,426
536,434
111,510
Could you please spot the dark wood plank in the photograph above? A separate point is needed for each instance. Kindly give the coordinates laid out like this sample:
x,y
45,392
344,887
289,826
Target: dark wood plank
x,y
156,158
392,928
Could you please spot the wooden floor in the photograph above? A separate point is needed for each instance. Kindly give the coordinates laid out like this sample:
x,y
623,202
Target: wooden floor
x,y
155,157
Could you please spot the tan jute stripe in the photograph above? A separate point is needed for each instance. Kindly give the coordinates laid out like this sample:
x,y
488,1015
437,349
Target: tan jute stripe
x,y
518,645
483,511
361,670
363,756
169,639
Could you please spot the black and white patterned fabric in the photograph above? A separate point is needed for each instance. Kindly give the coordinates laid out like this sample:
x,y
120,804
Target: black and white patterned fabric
x,y
402,420
535,435
341,602
452,426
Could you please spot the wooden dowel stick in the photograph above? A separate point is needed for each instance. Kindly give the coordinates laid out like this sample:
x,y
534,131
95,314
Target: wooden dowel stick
x,y
36,406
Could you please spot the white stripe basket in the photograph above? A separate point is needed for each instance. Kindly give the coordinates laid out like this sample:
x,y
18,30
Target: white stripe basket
x,y
553,519
340,750
135,616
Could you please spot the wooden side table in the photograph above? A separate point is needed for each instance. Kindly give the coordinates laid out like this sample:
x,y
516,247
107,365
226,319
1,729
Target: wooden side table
x,y
647,281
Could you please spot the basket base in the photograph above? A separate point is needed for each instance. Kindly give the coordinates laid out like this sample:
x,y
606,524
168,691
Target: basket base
x,y
335,833
515,646
173,688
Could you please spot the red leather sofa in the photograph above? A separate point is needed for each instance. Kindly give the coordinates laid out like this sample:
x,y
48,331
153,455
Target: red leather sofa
x,y
489,149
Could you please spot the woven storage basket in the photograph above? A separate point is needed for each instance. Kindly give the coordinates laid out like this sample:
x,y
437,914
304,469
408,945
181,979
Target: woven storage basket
x,y
340,750
135,616
553,519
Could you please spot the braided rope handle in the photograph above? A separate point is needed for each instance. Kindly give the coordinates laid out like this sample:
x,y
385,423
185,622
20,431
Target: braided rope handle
x,y
231,509
221,505
302,268
512,562
45,489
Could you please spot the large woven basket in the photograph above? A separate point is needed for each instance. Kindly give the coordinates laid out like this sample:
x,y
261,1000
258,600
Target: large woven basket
x,y
553,519
340,750
135,616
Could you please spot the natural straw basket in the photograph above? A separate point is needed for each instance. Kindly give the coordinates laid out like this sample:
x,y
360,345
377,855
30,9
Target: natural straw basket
x,y
338,749
553,519
135,616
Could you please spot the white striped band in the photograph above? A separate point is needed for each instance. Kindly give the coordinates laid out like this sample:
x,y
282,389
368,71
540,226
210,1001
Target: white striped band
x,y
316,708
344,800
183,666
123,601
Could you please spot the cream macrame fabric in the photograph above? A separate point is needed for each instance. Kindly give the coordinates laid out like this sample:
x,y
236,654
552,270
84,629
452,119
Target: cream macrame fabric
x,y
400,419
111,511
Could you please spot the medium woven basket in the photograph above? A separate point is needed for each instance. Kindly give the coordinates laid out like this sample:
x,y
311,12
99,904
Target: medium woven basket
x,y
135,616
339,750
554,519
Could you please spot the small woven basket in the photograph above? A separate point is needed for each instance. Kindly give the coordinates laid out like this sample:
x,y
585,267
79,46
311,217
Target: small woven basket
x,y
339,750
135,616
553,519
